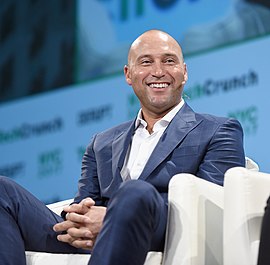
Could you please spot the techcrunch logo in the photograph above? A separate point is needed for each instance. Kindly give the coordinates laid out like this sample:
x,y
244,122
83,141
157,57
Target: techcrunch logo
x,y
214,87
26,130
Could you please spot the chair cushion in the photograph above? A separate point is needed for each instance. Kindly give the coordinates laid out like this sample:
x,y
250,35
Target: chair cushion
x,y
41,258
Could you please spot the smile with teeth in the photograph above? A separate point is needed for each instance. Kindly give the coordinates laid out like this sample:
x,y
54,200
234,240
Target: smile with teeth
x,y
159,85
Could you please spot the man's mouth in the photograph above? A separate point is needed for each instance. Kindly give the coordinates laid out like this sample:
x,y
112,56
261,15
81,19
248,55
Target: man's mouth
x,y
158,85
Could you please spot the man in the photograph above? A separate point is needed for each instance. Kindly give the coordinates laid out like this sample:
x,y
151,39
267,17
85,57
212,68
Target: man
x,y
120,211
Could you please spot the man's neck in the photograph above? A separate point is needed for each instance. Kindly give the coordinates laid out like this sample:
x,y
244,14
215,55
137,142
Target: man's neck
x,y
150,119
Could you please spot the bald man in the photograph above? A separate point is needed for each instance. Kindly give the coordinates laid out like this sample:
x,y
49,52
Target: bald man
x,y
120,210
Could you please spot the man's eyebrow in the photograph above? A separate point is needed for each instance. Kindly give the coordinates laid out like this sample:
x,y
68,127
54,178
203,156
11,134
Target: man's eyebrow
x,y
144,56
162,55
170,55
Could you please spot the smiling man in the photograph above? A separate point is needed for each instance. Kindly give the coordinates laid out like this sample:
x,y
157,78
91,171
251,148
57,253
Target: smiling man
x,y
127,169
120,211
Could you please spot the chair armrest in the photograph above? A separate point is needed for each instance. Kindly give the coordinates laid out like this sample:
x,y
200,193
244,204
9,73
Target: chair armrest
x,y
245,196
57,207
251,164
193,236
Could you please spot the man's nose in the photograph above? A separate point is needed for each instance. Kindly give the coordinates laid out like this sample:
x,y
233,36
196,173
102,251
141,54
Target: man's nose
x,y
158,70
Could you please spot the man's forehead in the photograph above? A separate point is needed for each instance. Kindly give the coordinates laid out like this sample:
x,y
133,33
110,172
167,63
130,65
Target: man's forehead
x,y
153,42
147,38
155,49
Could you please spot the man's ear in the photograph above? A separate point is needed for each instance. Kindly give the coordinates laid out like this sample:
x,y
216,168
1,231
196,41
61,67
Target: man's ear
x,y
185,74
127,74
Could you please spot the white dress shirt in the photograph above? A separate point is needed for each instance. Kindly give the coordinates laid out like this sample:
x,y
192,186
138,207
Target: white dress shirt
x,y
143,143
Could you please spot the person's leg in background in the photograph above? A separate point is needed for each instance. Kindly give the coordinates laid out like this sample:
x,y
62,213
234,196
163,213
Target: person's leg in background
x,y
247,19
265,3
25,224
135,223
264,248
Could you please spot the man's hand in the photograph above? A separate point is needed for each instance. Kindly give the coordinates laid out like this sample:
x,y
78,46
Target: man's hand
x,y
77,208
82,225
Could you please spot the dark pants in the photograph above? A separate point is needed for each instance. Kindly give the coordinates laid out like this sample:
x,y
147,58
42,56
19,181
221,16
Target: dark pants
x,y
135,223
26,224
264,249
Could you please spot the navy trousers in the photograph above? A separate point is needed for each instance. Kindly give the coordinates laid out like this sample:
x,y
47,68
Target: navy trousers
x,y
26,224
135,223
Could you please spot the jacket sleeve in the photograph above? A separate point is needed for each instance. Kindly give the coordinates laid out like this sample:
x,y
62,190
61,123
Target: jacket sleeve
x,y
225,150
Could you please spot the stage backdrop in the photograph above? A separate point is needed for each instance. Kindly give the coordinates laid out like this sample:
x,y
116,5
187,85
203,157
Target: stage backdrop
x,y
43,137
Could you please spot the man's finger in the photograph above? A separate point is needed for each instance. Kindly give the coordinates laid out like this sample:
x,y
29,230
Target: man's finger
x,y
88,202
80,208
78,218
77,208
82,243
65,238
81,232
63,226
76,242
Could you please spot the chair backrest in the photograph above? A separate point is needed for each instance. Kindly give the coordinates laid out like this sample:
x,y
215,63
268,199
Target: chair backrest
x,y
245,195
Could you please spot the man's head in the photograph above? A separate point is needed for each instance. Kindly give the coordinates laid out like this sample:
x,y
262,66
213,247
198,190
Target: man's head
x,y
156,71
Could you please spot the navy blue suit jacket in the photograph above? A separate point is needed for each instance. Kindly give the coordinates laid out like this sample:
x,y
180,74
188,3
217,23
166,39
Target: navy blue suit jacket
x,y
203,145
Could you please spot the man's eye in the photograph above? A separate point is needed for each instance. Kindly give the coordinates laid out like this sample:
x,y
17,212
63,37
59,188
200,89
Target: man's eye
x,y
145,62
169,60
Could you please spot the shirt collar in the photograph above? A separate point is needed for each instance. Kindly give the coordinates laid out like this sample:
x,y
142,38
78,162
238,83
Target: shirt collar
x,y
167,118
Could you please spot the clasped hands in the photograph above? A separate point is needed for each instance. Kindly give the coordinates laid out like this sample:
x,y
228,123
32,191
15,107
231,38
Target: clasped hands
x,y
82,225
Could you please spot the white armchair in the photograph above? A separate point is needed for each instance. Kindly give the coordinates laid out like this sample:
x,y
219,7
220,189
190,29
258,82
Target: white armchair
x,y
194,231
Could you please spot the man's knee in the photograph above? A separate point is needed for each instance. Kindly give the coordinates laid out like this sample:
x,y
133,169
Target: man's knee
x,y
137,198
136,191
138,204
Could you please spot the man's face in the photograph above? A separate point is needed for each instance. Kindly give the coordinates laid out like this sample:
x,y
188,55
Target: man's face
x,y
156,72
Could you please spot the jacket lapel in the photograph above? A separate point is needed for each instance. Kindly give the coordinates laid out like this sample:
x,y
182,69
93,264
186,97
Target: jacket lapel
x,y
119,150
183,122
